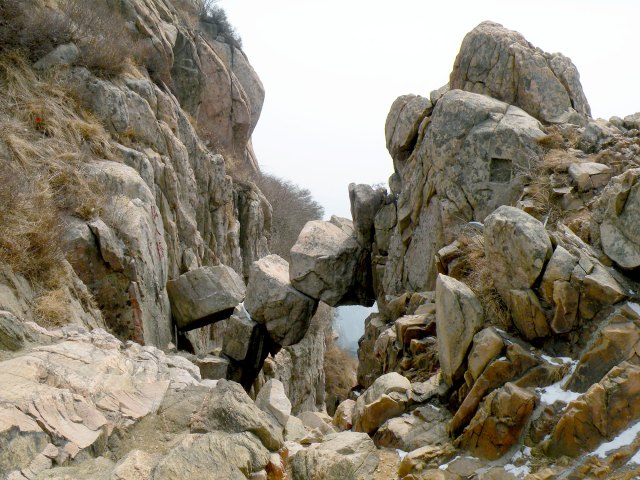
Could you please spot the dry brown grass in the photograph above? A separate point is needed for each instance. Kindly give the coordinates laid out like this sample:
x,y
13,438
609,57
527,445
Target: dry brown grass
x,y
52,307
477,275
340,373
45,143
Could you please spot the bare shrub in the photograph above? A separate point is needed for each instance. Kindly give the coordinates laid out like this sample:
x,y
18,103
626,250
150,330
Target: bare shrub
x,y
340,373
210,13
31,27
293,207
103,36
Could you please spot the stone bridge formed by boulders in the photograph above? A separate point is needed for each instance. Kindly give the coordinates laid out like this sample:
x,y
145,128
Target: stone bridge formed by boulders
x,y
330,262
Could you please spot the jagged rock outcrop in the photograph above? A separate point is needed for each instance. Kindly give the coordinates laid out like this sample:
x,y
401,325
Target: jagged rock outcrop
x,y
462,167
502,64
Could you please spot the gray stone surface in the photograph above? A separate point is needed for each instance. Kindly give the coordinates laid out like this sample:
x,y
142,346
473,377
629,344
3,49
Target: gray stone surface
x,y
502,64
272,301
459,317
205,295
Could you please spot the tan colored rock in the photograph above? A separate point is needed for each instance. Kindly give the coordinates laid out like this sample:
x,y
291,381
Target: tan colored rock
x,y
527,314
617,341
343,418
239,334
459,317
425,425
505,369
272,400
205,295
501,63
487,345
518,247
213,367
340,456
228,408
272,301
384,399
317,421
497,425
328,264
566,298
423,459
412,327
606,409
589,175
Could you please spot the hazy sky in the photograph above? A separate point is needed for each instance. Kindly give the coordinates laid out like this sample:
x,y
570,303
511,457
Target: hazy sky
x,y
331,70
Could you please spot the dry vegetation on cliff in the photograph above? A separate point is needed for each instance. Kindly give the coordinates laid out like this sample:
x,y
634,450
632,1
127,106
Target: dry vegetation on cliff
x,y
46,140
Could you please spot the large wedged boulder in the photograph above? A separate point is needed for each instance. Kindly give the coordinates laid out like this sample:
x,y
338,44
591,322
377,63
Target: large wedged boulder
x,y
340,456
403,124
272,301
459,317
328,264
501,63
518,248
205,295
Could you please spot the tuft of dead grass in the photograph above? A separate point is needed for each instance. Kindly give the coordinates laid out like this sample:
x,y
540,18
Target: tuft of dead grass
x,y
46,141
340,373
52,308
476,273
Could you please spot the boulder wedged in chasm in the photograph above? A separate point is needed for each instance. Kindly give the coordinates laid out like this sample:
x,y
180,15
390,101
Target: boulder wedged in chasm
x,y
205,295
328,264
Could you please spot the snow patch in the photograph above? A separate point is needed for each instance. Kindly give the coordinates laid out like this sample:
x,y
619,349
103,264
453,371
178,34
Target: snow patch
x,y
518,472
401,453
623,439
555,392
635,307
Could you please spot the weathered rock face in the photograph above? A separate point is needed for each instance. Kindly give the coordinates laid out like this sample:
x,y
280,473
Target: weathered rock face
x,y
499,422
518,246
300,367
458,318
204,296
222,72
272,301
328,264
341,456
500,63
123,264
619,234
95,385
462,167
606,409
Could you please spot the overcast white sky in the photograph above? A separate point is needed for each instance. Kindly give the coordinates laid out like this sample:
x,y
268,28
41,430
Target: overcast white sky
x,y
331,70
